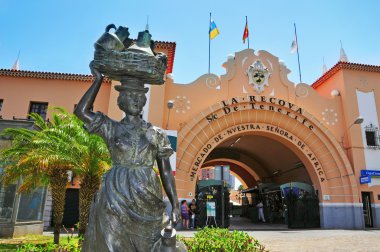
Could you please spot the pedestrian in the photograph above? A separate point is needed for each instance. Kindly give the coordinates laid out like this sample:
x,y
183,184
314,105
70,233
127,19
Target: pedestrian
x,y
185,214
192,212
260,207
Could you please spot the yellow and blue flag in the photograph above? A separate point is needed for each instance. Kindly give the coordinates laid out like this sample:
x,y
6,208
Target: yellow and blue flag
x,y
213,29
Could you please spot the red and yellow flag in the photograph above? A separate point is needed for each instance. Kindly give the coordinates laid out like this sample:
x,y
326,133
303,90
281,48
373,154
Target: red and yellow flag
x,y
246,32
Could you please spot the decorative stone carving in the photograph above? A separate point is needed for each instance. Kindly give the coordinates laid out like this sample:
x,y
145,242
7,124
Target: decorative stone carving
x,y
258,76
302,90
212,82
329,116
181,104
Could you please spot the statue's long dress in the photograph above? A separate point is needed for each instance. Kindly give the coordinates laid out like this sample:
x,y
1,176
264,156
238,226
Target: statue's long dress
x,y
128,212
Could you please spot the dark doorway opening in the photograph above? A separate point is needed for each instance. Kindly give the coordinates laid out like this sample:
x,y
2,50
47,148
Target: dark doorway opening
x,y
71,212
367,209
303,210
277,184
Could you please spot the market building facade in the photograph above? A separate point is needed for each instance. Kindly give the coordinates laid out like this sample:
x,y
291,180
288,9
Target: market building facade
x,y
254,120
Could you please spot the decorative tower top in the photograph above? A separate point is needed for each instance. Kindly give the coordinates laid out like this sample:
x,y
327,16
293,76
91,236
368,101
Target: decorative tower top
x,y
324,68
343,56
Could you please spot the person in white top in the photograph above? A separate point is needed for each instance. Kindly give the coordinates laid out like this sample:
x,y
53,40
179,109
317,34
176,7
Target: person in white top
x,y
260,207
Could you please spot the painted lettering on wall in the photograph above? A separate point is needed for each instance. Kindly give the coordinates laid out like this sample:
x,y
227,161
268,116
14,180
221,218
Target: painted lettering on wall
x,y
249,127
261,103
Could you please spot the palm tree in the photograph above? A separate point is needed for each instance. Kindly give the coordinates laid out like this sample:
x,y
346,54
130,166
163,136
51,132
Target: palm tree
x,y
90,161
94,163
44,157
39,158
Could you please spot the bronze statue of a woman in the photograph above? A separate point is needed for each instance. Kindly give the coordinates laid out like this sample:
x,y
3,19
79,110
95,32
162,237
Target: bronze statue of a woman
x,y
128,211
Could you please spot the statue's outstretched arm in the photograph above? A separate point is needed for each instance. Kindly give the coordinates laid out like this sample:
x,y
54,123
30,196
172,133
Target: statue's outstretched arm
x,y
83,109
168,183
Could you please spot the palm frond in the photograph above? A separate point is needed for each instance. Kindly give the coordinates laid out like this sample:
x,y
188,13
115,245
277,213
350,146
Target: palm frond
x,y
39,122
61,144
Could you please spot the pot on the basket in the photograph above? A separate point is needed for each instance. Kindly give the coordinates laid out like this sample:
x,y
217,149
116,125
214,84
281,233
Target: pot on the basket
x,y
109,41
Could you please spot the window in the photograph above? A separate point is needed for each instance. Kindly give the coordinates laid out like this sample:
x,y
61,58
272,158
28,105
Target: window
x,y
372,136
1,104
7,196
39,108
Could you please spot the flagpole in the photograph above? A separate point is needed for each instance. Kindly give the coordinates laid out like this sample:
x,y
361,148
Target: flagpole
x,y
246,23
298,55
209,44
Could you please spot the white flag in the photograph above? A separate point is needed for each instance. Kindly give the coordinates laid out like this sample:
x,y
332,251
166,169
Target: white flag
x,y
293,47
16,65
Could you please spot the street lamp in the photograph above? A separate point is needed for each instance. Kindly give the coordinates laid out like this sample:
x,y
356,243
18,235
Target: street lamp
x,y
359,120
170,105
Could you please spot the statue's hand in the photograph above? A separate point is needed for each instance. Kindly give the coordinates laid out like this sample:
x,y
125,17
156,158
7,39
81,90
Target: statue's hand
x,y
175,216
95,72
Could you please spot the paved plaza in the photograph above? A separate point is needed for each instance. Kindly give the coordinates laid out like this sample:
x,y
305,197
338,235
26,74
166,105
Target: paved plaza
x,y
315,240
320,240
312,240
278,238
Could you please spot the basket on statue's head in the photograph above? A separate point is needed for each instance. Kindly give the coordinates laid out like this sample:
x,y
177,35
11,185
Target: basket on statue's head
x,y
119,58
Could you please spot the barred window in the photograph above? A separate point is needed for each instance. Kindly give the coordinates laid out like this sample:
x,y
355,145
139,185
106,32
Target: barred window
x,y
372,136
39,108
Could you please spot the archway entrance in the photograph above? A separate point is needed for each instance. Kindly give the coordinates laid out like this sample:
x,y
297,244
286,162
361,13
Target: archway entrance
x,y
325,163
270,160
267,168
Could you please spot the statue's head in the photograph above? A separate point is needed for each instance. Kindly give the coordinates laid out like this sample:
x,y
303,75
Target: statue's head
x,y
132,97
131,102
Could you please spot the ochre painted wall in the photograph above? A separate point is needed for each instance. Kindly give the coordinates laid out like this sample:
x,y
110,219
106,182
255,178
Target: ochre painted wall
x,y
336,144
18,92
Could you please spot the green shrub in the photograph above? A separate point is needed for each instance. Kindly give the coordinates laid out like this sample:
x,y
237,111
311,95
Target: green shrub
x,y
222,240
205,240
71,244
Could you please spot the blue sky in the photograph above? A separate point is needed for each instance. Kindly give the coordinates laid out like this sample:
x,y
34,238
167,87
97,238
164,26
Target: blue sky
x,y
58,36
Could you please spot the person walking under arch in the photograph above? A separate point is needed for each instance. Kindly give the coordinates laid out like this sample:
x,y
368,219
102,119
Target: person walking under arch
x,y
260,207
185,214
192,211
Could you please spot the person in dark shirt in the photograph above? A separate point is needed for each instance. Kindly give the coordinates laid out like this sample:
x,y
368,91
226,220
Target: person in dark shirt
x,y
192,212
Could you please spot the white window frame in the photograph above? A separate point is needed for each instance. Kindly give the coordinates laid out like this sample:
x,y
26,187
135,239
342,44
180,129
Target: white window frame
x,y
375,130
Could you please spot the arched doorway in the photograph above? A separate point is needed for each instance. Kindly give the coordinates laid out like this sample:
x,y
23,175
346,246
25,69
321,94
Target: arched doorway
x,y
239,169
323,158
265,166
263,158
